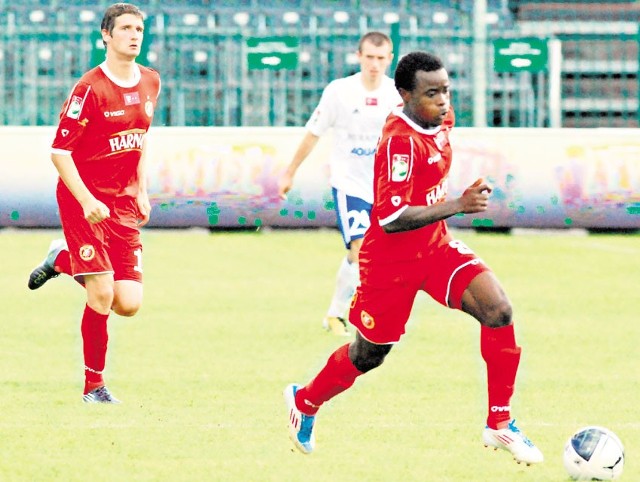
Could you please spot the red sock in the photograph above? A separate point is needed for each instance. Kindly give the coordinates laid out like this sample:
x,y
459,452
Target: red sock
x,y
62,263
94,345
336,376
502,356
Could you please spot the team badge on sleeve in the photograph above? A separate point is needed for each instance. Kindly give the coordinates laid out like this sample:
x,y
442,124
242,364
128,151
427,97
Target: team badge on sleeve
x,y
315,116
75,106
399,167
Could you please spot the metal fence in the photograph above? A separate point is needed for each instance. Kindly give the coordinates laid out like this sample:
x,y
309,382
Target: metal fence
x,y
200,49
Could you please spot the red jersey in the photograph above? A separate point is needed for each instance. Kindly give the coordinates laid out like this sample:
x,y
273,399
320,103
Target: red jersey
x,y
410,169
102,126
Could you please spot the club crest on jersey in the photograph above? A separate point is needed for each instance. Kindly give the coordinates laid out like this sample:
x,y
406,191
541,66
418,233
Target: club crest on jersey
x,y
87,252
75,106
399,167
131,98
367,320
148,108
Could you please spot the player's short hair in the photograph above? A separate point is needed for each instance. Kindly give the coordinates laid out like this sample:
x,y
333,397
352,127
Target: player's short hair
x,y
376,38
405,75
116,10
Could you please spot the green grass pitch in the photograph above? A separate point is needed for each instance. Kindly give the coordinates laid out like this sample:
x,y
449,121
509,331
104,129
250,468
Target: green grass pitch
x,y
230,318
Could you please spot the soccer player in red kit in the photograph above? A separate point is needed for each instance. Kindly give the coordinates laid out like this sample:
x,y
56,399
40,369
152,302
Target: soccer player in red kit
x,y
408,248
99,152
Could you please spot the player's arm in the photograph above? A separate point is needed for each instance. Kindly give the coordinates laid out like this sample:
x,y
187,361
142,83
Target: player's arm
x,y
94,210
474,199
307,145
78,106
323,117
144,206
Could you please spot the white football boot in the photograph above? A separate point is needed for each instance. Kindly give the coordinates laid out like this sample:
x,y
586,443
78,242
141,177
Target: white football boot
x,y
514,441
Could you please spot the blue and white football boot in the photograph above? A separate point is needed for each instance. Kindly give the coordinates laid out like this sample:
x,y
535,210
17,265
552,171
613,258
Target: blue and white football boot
x,y
300,425
514,441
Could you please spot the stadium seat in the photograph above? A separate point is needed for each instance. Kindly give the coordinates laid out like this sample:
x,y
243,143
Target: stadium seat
x,y
198,46
579,11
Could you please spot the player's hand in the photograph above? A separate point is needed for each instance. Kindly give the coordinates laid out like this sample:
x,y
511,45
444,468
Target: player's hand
x,y
284,185
95,211
144,208
475,198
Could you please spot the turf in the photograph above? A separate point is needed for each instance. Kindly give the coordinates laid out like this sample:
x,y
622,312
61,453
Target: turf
x,y
230,318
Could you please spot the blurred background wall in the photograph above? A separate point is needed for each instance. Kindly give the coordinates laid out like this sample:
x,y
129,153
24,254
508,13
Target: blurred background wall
x,y
220,66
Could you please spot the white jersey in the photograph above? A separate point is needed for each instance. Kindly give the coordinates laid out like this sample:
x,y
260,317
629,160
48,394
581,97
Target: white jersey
x,y
357,116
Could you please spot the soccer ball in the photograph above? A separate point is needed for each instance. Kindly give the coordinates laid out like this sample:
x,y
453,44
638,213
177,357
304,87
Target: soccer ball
x,y
594,453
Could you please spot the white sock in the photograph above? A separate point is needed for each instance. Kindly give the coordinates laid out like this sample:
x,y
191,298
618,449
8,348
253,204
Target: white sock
x,y
346,282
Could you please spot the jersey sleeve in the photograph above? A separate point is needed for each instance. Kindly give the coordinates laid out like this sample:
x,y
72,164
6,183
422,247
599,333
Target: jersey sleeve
x,y
74,117
324,115
393,177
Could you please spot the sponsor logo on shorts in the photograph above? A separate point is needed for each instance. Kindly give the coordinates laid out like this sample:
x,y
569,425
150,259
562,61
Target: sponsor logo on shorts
x,y
399,167
87,252
367,320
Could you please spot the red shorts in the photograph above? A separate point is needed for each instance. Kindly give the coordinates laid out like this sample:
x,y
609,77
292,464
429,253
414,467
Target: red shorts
x,y
382,304
111,246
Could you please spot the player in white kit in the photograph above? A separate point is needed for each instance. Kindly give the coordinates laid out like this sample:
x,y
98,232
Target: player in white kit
x,y
356,108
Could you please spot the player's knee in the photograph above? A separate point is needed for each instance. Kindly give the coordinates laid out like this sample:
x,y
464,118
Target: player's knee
x,y
101,297
498,314
125,309
368,362
366,358
128,298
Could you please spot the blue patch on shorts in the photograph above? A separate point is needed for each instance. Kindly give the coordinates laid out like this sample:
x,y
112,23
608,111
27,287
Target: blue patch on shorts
x,y
353,216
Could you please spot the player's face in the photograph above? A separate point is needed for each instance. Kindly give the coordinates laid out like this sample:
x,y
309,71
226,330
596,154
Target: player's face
x,y
374,60
428,103
126,38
